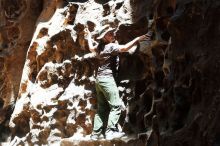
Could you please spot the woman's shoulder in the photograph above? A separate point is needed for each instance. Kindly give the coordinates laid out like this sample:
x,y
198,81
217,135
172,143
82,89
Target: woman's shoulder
x,y
110,45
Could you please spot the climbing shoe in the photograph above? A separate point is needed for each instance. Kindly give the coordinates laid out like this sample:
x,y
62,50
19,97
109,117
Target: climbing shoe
x,y
110,134
95,136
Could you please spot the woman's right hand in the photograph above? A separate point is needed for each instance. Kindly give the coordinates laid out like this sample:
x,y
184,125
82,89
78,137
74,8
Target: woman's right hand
x,y
143,37
88,33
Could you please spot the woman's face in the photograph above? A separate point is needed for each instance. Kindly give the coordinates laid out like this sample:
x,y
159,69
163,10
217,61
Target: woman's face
x,y
109,37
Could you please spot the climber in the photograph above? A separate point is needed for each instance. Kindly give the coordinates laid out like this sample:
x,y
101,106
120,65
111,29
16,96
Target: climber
x,y
106,89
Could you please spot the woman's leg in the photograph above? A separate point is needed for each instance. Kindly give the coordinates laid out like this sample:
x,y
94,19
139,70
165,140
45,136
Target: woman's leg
x,y
102,107
110,90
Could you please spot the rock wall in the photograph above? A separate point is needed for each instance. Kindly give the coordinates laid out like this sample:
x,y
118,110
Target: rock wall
x,y
169,85
15,36
194,89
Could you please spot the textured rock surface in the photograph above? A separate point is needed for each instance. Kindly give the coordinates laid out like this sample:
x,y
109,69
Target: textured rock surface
x,y
170,88
15,36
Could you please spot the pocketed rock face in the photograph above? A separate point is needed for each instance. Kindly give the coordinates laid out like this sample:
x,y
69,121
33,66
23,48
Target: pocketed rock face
x,y
15,36
195,65
169,85
56,97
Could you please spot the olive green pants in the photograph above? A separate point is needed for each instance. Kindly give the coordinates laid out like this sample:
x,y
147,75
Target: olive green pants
x,y
107,97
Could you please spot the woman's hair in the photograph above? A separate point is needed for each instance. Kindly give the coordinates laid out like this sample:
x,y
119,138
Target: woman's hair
x,y
101,46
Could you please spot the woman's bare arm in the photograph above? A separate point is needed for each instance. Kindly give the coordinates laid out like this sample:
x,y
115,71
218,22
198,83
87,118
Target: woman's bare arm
x,y
92,47
129,45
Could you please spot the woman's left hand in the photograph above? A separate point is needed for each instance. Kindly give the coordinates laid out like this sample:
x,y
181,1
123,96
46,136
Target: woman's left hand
x,y
144,37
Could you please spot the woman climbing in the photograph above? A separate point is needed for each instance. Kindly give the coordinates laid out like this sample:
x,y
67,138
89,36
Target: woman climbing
x,y
106,89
